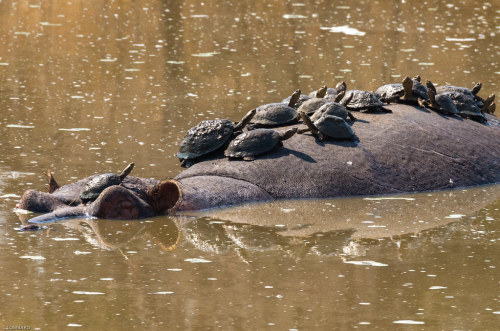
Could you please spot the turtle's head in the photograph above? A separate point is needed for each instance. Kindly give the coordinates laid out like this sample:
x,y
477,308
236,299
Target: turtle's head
x,y
342,86
407,83
476,88
321,92
294,98
417,78
430,86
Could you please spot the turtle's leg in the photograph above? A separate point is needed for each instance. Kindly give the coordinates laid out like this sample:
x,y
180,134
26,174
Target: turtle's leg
x,y
421,102
351,116
187,163
249,158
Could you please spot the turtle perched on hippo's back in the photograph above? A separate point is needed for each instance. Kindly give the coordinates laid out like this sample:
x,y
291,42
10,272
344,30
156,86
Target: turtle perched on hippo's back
x,y
409,91
363,101
252,143
208,136
99,183
276,114
466,104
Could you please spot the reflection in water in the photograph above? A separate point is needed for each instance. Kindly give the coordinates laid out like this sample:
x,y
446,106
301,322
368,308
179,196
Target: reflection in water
x,y
344,228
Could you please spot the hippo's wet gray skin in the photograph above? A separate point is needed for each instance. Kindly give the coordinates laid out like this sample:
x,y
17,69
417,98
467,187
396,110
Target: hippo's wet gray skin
x,y
409,150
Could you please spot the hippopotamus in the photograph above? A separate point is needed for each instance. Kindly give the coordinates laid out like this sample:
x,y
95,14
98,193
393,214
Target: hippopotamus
x,y
411,149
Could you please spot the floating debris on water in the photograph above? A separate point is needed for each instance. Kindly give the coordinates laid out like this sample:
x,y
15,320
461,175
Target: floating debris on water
x,y
345,29
20,126
289,16
74,129
412,322
197,260
88,293
367,263
32,257
207,54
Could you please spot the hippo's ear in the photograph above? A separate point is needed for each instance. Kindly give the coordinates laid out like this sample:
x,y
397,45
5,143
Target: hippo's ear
x,y
163,196
116,202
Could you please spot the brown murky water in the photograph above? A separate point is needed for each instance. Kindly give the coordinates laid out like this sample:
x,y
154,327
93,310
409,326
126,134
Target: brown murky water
x,y
86,87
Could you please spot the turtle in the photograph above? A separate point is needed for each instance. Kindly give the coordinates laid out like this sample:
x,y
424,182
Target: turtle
x,y
252,143
450,88
333,93
441,103
96,185
313,104
409,91
276,114
467,106
332,108
363,101
472,93
208,136
330,126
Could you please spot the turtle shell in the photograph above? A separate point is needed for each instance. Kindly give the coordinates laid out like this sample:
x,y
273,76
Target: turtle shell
x,y
446,103
331,108
204,138
390,91
419,90
466,105
96,185
253,143
302,99
331,93
362,100
311,105
463,102
335,127
450,88
274,114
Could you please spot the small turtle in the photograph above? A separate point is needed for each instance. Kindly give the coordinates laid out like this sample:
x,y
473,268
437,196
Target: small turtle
x,y
330,126
483,104
250,144
363,101
276,114
441,103
466,105
208,136
333,93
313,104
449,88
96,185
409,91
332,108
